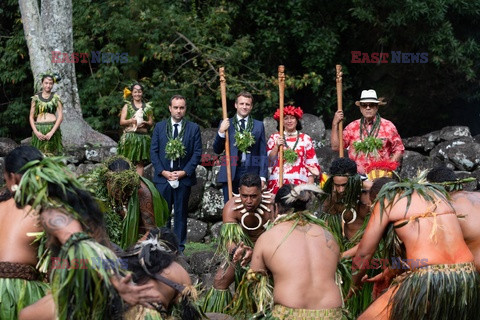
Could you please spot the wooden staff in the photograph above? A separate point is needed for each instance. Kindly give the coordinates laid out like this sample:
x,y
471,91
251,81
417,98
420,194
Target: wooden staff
x,y
281,87
223,92
339,108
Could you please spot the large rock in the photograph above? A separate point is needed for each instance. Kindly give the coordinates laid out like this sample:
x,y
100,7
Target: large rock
x,y
196,230
325,156
202,262
208,137
313,126
270,125
196,195
476,174
99,154
454,132
85,168
6,145
419,144
414,162
215,229
149,171
433,136
212,205
463,153
75,155
213,177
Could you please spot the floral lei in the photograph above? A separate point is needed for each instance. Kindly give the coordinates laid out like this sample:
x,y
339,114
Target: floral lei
x,y
175,149
243,139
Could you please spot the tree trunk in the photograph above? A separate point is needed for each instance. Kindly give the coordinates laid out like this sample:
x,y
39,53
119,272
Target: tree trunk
x,y
51,30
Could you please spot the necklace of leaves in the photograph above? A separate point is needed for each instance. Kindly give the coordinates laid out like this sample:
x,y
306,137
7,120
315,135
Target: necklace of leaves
x,y
175,149
289,154
369,143
243,139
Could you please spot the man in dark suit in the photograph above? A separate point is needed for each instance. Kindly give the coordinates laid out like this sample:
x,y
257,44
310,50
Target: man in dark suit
x,y
254,158
174,176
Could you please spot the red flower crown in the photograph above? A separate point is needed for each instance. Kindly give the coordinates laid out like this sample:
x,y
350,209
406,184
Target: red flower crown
x,y
289,111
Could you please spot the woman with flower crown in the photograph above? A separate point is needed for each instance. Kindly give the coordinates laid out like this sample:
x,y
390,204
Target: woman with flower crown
x,y
46,116
136,118
300,161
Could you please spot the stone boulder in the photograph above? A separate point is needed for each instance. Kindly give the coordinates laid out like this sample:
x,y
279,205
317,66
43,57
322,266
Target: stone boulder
x,y
203,262
6,145
208,137
419,144
99,154
433,136
212,205
463,153
313,126
213,177
84,168
454,132
215,229
196,193
270,125
196,230
325,156
413,162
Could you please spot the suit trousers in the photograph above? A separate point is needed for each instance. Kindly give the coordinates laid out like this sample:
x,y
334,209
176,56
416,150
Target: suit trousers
x,y
178,198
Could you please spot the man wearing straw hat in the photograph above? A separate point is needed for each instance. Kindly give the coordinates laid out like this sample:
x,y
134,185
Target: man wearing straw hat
x,y
370,138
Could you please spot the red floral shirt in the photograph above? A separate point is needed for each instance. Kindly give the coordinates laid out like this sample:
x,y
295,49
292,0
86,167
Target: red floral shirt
x,y
298,172
388,133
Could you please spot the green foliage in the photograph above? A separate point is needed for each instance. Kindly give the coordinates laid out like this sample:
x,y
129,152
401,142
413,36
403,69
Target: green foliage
x,y
176,47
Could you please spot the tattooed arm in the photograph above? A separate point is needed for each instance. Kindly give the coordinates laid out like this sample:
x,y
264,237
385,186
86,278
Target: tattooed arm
x,y
59,224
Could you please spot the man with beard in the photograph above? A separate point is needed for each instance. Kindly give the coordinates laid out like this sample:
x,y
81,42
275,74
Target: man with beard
x,y
244,217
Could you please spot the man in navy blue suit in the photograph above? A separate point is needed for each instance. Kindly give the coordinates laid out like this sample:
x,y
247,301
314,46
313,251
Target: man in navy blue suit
x,y
254,158
175,165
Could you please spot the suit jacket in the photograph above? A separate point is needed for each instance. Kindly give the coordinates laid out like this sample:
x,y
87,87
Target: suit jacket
x,y
256,159
192,141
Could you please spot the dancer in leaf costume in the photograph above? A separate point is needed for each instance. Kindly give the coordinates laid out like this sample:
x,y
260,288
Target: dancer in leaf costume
x,y
244,219
21,282
74,225
46,115
426,223
129,196
136,118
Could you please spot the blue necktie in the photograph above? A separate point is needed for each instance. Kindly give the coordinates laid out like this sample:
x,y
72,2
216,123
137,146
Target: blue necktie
x,y
240,153
175,130
242,125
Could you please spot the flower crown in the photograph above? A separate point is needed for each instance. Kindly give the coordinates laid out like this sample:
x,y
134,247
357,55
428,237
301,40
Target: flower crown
x,y
297,112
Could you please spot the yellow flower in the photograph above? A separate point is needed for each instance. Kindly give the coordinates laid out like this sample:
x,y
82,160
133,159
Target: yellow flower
x,y
126,93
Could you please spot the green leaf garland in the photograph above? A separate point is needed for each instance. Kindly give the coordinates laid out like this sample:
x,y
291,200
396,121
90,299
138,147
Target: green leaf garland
x,y
369,145
175,149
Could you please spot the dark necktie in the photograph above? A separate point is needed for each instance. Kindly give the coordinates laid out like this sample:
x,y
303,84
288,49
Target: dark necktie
x,y
175,130
240,153
176,163
242,125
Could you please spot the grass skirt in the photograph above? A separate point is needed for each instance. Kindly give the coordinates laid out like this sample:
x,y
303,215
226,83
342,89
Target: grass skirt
x,y
444,291
135,146
51,147
83,290
217,300
16,294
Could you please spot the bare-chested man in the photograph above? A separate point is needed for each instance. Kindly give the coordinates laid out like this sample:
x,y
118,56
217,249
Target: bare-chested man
x,y
244,217
18,256
442,282
302,257
467,207
348,202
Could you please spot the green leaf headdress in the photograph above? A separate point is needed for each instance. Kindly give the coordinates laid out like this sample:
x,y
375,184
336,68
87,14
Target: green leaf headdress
x,y
393,192
38,84
33,187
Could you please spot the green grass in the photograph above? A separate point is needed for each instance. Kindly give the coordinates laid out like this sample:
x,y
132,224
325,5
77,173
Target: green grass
x,y
194,247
